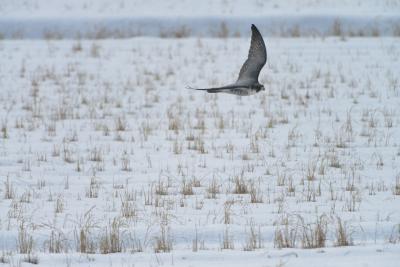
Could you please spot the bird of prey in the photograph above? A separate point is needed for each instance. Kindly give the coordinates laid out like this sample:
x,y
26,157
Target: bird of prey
x,y
247,83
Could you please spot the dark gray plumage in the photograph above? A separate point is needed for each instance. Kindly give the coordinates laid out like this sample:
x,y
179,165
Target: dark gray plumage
x,y
247,83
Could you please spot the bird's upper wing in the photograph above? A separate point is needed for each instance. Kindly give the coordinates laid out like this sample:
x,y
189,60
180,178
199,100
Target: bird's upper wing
x,y
256,58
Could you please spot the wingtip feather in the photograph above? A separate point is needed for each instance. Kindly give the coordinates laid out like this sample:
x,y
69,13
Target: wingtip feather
x,y
254,29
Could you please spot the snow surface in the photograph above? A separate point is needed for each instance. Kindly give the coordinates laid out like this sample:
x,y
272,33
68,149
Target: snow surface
x,y
96,131
331,257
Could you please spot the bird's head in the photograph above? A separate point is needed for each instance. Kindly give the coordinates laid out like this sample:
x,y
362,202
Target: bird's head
x,y
260,87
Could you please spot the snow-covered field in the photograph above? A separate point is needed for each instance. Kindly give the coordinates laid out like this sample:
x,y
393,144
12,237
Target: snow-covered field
x,y
103,150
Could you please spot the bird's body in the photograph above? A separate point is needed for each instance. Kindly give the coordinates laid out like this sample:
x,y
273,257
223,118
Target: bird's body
x,y
247,83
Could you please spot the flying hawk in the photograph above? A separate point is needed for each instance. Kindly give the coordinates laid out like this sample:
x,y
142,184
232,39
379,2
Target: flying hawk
x,y
247,83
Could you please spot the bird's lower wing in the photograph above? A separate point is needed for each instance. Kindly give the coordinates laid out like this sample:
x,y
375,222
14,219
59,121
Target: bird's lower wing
x,y
212,90
216,89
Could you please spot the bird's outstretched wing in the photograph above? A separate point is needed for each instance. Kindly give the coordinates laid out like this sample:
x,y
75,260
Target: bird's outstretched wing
x,y
256,59
216,89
